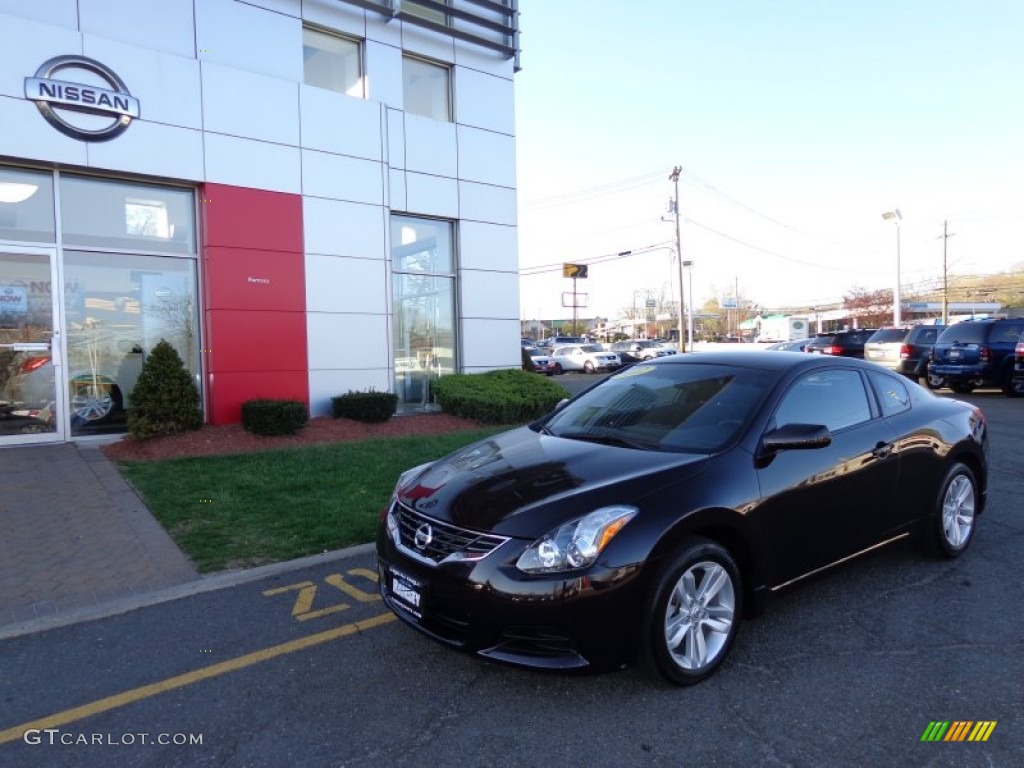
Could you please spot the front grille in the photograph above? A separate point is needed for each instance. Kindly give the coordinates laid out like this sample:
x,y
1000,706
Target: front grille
x,y
439,542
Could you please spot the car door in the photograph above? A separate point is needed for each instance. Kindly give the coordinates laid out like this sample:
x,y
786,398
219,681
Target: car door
x,y
820,505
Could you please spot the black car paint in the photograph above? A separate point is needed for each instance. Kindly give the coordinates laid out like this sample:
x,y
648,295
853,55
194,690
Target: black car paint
x,y
783,515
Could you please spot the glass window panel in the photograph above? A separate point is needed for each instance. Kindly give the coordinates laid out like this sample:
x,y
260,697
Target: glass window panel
x,y
424,323
426,88
421,245
430,14
121,214
332,62
118,306
26,205
836,399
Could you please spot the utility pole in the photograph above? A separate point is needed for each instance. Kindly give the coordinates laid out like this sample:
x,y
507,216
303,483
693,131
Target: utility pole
x,y
674,177
946,234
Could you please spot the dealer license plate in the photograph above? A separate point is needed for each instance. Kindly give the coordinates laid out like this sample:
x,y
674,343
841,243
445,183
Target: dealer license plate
x,y
406,591
954,354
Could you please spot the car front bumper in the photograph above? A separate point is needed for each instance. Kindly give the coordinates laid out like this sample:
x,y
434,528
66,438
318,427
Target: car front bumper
x,y
487,607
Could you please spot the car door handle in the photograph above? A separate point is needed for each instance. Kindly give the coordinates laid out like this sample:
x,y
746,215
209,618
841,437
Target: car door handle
x,y
882,450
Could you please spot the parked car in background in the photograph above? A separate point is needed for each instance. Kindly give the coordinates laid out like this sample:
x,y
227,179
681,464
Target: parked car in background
x,y
636,350
905,350
542,363
648,515
797,345
589,358
978,353
848,343
1018,366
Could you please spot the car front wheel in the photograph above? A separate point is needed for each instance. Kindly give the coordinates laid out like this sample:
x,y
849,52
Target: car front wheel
x,y
692,614
588,367
951,527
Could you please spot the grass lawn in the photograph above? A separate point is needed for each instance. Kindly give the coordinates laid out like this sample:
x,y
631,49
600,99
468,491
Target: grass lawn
x,y
250,509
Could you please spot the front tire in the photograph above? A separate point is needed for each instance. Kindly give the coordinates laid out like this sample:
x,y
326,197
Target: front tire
x,y
692,614
950,529
588,367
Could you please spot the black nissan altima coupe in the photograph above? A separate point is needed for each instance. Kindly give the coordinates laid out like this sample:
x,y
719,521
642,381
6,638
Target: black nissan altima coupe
x,y
650,513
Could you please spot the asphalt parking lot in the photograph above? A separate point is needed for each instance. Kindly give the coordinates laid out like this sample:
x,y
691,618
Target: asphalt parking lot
x,y
306,667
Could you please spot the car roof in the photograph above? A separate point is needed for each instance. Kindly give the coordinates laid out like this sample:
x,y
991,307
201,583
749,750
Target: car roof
x,y
762,359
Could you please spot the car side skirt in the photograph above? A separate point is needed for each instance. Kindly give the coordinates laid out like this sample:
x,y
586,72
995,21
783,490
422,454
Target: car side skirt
x,y
841,560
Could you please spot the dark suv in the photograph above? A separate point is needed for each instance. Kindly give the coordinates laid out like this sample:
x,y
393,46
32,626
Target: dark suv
x,y
905,350
849,343
978,353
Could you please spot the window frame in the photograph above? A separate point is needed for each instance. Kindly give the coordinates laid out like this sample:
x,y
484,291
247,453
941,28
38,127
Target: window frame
x,y
408,58
360,58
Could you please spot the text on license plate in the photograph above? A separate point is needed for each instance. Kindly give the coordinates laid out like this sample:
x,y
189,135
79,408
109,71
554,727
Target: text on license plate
x,y
405,589
954,354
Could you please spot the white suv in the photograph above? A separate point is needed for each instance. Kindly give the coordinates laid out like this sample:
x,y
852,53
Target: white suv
x,y
584,357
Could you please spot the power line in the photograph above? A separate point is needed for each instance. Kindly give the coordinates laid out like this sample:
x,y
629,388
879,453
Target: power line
x,y
590,193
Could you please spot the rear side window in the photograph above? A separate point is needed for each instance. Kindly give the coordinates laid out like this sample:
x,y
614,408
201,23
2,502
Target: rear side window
x,y
1005,333
926,336
892,393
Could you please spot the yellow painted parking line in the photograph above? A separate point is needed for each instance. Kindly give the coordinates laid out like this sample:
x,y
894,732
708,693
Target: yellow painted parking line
x,y
180,681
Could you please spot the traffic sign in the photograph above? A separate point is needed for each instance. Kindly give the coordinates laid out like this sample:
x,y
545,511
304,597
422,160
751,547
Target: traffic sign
x,y
574,270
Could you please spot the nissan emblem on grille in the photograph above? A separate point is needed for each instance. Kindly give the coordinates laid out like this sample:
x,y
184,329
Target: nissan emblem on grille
x,y
424,535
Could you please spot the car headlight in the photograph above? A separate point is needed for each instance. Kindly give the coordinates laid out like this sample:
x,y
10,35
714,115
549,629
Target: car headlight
x,y
575,544
389,513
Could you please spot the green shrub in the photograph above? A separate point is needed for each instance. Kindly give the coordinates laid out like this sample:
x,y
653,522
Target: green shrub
x,y
274,417
369,406
497,397
165,400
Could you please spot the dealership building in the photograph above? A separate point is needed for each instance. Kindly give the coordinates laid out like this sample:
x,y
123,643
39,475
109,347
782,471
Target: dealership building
x,y
304,197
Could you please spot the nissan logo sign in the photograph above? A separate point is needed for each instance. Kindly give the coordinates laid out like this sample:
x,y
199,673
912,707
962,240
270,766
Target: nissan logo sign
x,y
424,535
60,101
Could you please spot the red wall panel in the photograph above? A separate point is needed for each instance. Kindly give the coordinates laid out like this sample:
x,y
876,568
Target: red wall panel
x,y
253,340
254,288
250,218
243,278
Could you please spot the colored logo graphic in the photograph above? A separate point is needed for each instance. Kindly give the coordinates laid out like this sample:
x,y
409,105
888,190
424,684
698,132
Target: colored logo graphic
x,y
958,730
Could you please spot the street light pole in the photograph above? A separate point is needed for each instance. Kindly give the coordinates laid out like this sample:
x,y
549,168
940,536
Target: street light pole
x,y
895,215
674,177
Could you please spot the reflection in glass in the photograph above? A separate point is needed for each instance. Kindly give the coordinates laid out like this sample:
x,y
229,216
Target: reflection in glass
x,y
26,205
331,62
424,306
27,390
426,89
126,215
118,306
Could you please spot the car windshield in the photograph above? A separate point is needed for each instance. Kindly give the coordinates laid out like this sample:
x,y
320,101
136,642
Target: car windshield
x,y
592,348
687,407
647,344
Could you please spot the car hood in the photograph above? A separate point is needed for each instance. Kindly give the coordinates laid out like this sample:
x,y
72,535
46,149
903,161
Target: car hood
x,y
523,483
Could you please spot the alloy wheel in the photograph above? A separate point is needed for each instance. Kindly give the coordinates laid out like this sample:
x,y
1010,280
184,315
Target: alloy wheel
x,y
699,615
958,512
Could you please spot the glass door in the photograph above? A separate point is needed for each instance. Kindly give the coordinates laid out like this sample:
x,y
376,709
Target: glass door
x,y
31,369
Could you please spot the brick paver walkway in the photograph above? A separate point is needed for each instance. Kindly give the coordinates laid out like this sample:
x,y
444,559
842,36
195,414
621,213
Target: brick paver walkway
x,y
73,534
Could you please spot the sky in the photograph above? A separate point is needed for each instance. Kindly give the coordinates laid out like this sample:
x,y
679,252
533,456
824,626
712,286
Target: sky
x,y
797,124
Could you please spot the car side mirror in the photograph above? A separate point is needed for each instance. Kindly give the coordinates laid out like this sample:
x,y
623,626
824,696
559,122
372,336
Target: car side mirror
x,y
790,437
561,403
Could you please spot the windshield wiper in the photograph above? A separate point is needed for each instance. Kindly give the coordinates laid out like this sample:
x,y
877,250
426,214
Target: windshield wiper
x,y
593,437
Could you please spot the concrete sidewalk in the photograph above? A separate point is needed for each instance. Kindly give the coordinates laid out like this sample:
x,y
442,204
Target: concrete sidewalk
x,y
74,535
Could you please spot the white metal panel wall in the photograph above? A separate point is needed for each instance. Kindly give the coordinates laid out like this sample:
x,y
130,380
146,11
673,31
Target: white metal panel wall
x,y
337,228
163,26
489,344
487,157
59,13
334,122
249,38
250,105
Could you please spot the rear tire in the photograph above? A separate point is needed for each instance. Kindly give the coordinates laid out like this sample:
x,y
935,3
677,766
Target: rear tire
x,y
692,613
558,369
934,381
1012,388
949,530
961,389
